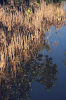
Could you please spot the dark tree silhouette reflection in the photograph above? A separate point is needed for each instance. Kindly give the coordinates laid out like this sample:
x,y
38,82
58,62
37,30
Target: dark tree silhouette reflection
x,y
48,74
65,59
17,89
17,83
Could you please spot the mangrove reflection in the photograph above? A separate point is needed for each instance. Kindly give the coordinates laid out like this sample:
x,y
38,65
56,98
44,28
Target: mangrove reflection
x,y
20,65
18,87
48,74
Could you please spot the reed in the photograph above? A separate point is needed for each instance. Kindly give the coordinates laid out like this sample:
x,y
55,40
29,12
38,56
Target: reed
x,y
9,17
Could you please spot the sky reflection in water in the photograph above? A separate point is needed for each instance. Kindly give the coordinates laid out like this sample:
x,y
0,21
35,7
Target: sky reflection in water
x,y
57,92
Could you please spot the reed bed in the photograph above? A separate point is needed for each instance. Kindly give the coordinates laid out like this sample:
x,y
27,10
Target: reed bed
x,y
23,43
11,16
22,25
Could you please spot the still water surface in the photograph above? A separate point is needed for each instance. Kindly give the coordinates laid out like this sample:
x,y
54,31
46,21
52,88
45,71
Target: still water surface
x,y
57,92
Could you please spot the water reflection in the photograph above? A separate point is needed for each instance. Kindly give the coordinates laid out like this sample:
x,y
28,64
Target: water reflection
x,y
20,60
18,87
21,64
65,59
48,74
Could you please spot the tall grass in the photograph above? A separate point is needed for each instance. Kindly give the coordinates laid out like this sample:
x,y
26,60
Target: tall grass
x,y
42,18
9,17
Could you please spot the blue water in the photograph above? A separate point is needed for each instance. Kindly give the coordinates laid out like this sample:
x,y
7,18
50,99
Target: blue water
x,y
57,92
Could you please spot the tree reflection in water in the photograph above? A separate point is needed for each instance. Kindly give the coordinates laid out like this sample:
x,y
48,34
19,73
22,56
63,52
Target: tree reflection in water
x,y
65,59
36,69
48,74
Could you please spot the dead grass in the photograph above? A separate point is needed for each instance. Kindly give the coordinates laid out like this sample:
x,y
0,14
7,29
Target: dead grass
x,y
49,12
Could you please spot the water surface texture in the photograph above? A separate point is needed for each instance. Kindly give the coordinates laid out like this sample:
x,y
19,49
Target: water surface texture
x,y
33,60
45,89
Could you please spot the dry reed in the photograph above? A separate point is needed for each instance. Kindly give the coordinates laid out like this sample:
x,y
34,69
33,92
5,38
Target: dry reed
x,y
8,18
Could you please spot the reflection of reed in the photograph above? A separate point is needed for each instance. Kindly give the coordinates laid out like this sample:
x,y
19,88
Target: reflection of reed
x,y
3,45
22,45
22,42
20,48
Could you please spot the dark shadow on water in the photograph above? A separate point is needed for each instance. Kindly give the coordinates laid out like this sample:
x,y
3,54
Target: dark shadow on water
x,y
17,83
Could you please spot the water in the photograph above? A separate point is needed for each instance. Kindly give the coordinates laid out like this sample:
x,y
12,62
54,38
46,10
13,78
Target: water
x,y
37,73
57,92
